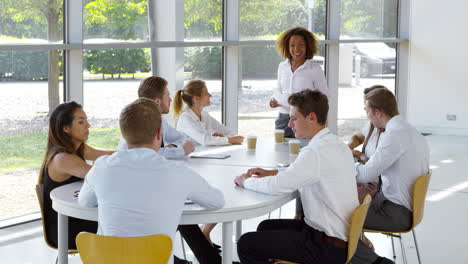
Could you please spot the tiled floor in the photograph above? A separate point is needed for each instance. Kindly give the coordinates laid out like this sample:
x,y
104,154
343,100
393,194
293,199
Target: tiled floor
x,y
440,235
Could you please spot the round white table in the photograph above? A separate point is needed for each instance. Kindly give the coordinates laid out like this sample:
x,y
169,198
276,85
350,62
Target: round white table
x,y
240,204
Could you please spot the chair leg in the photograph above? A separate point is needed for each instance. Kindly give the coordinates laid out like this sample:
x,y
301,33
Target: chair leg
x,y
56,260
416,245
183,246
403,251
269,215
279,215
393,248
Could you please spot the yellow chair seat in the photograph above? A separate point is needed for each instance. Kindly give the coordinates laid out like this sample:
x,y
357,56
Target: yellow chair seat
x,y
154,249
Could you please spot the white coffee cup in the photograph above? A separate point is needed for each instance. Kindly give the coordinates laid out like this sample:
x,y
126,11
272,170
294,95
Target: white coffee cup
x,y
294,146
279,135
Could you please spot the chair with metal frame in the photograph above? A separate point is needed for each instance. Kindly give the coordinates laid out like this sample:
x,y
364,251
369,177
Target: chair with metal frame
x,y
355,228
40,199
420,188
154,249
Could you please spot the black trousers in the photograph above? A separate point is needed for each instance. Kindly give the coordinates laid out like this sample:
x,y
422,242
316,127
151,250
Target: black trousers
x,y
200,246
287,239
282,123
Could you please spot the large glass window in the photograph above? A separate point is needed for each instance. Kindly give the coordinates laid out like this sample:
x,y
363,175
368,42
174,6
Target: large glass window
x,y
369,18
261,19
115,20
203,20
28,95
30,21
362,65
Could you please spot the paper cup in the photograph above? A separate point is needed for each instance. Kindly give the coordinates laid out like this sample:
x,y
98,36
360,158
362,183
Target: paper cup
x,y
251,142
279,136
294,146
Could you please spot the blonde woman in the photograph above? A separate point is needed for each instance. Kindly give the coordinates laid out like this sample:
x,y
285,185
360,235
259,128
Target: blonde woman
x,y
199,125
196,122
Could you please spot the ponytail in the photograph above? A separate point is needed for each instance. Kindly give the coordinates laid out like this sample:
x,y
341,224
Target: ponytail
x,y
178,103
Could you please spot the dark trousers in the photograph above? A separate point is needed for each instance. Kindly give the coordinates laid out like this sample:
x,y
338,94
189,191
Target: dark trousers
x,y
383,215
200,246
287,239
282,123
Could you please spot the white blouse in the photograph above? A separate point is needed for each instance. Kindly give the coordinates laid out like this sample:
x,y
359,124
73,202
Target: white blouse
x,y
308,76
372,142
201,131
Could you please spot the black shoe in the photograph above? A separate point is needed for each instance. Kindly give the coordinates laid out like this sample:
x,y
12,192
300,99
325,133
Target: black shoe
x,y
217,248
382,260
181,261
216,245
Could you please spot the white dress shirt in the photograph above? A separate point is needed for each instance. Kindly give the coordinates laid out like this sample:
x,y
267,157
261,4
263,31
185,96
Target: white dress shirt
x,y
138,193
201,131
324,175
372,142
308,76
170,135
402,155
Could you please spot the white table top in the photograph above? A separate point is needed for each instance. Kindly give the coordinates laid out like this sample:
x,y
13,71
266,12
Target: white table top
x,y
267,154
240,203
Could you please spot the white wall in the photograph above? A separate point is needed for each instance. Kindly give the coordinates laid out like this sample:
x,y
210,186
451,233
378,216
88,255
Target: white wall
x,y
438,66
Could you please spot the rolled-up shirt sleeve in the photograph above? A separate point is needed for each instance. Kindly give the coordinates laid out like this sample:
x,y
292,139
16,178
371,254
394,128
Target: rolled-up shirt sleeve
x,y
172,153
388,151
87,196
305,170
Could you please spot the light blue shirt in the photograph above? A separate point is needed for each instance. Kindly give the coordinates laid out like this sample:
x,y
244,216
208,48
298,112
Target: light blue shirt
x,y
170,136
138,193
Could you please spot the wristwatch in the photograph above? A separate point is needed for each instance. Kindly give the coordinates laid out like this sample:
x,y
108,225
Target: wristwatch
x,y
363,158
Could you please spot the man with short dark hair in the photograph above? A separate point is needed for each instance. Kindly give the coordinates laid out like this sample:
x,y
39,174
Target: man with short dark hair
x,y
402,155
174,143
328,193
138,191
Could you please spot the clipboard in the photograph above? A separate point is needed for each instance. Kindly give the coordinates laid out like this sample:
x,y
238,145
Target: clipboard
x,y
210,156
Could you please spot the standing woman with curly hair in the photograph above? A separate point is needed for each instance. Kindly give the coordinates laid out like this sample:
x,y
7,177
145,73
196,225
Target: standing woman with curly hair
x,y
296,73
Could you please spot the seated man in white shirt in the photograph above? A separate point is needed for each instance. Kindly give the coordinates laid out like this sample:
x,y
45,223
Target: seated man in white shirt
x,y
138,192
401,156
174,144
323,173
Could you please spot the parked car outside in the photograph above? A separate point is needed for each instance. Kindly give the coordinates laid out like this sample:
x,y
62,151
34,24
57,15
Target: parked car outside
x,y
376,58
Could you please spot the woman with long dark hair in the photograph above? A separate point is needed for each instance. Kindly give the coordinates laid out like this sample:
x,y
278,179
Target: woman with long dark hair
x,y
64,163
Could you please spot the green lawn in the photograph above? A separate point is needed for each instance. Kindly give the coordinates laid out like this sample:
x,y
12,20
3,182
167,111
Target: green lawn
x,y
26,151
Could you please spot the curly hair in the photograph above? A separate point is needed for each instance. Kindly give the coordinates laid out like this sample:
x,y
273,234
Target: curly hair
x,y
282,44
